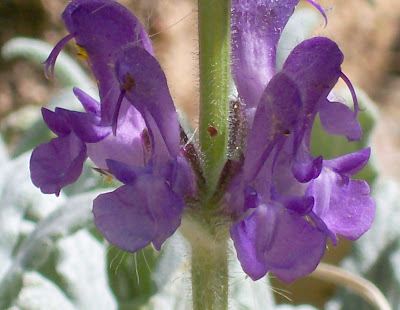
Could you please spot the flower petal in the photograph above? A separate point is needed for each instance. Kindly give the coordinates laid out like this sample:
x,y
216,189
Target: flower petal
x,y
58,163
349,164
244,236
306,167
296,247
101,28
135,215
277,240
125,173
277,114
338,119
90,104
256,29
314,65
87,126
126,146
57,122
139,73
343,205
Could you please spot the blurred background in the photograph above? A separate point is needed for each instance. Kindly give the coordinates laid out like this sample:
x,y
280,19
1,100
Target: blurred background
x,y
367,32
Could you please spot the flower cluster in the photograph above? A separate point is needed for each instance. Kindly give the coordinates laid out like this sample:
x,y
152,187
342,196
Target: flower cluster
x,y
281,202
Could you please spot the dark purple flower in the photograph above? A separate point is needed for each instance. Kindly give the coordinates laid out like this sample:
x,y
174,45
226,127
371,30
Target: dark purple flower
x,y
287,202
284,202
132,133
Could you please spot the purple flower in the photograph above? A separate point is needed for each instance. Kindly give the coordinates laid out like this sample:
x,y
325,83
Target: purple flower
x,y
282,203
286,202
133,133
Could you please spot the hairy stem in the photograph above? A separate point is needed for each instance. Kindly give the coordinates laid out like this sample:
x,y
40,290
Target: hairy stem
x,y
214,63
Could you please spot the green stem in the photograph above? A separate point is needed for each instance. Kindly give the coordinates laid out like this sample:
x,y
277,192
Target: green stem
x,y
209,264
210,277
214,62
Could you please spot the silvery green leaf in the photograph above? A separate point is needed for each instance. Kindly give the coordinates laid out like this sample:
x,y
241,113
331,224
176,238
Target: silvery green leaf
x,y
246,294
299,28
173,256
175,295
376,256
39,293
82,265
21,119
18,195
171,276
66,70
10,286
35,249
72,215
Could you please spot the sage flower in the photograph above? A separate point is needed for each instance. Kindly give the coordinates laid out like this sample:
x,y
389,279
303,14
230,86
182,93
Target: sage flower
x,y
134,126
287,202
280,203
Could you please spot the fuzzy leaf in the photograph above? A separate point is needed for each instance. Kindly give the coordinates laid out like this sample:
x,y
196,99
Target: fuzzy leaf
x,y
171,277
82,265
18,195
40,294
36,248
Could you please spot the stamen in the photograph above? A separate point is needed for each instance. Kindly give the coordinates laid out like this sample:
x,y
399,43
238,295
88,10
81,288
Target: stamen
x,y
116,112
320,9
353,93
51,60
82,54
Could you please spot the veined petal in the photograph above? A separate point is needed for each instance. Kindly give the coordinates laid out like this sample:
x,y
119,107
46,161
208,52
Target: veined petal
x,y
349,164
90,104
126,146
58,163
256,29
133,216
343,205
277,240
338,119
58,123
277,114
244,235
125,173
295,248
101,28
314,66
146,87
87,126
